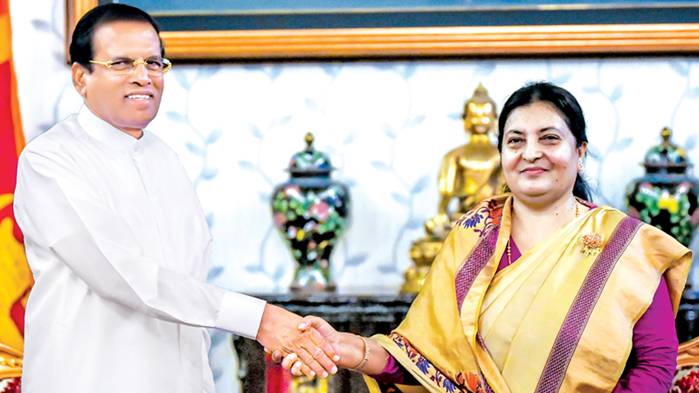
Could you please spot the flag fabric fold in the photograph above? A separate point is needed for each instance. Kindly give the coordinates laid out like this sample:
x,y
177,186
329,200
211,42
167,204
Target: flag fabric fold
x,y
15,276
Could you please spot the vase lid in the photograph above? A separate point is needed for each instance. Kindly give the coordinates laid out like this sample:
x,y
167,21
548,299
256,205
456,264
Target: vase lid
x,y
666,155
310,161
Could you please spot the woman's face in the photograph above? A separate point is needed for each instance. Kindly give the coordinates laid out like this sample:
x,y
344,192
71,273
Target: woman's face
x,y
539,157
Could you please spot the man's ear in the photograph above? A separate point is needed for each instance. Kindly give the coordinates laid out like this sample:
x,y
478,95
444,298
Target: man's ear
x,y
79,74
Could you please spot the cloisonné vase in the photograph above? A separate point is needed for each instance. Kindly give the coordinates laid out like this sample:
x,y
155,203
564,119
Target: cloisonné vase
x,y
310,212
666,196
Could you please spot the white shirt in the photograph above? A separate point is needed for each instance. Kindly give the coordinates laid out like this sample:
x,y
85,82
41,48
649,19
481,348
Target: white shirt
x,y
119,248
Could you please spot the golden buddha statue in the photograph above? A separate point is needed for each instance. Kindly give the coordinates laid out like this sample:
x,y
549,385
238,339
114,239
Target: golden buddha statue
x,y
468,174
471,172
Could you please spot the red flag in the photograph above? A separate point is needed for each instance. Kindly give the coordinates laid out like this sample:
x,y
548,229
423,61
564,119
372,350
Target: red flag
x,y
15,276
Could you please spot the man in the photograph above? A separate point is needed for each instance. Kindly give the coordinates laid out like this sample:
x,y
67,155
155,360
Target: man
x,y
116,238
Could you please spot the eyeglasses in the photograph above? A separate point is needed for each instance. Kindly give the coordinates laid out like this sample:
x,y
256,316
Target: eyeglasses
x,y
155,66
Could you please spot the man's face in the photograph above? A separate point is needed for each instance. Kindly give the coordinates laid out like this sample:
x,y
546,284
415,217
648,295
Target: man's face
x,y
128,101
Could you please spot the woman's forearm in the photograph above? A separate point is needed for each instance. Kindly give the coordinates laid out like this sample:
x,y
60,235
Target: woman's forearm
x,y
352,352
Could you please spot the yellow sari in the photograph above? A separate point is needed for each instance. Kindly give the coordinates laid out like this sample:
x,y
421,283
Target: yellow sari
x,y
559,320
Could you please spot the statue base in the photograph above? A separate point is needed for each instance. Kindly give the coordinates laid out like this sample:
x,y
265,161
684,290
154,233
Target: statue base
x,y
422,252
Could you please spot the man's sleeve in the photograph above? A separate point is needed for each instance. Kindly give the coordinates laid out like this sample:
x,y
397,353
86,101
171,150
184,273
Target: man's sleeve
x,y
58,209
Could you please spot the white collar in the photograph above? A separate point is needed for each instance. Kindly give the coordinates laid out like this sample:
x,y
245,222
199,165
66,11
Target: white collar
x,y
107,133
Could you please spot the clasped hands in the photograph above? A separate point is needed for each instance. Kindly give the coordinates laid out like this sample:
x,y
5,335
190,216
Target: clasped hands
x,y
308,346
284,333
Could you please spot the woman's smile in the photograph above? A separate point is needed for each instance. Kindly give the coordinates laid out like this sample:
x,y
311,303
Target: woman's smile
x,y
533,170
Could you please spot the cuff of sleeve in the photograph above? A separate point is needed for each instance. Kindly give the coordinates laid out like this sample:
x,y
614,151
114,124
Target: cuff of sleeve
x,y
240,314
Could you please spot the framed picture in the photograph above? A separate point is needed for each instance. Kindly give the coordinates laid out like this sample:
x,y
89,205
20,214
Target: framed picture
x,y
313,29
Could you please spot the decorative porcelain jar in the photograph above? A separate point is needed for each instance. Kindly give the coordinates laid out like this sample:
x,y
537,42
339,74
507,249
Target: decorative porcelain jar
x,y
666,196
310,211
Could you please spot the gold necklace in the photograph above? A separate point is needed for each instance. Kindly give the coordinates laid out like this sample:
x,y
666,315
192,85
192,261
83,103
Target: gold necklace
x,y
509,248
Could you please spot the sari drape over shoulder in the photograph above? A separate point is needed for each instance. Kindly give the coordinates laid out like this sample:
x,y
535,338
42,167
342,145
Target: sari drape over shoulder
x,y
559,320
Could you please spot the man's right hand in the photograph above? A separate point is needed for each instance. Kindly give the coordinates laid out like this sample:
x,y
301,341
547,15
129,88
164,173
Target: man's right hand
x,y
280,331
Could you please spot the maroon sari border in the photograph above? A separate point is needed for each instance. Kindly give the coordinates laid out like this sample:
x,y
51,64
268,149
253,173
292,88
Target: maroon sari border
x,y
475,262
579,313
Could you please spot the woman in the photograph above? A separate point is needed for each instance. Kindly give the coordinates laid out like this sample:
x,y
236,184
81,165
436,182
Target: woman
x,y
537,290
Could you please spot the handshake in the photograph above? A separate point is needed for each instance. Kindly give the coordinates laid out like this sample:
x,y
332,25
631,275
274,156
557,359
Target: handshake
x,y
310,346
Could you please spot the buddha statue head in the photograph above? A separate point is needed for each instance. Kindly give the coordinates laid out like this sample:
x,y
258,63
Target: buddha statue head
x,y
480,112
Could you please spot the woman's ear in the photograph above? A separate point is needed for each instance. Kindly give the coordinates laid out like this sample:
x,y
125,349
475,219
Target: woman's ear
x,y
582,149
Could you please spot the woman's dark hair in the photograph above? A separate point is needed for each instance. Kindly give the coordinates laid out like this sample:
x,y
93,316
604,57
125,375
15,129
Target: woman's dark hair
x,y
566,104
81,42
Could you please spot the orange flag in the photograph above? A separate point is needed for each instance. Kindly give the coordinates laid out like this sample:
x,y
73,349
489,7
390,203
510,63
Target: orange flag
x,y
15,276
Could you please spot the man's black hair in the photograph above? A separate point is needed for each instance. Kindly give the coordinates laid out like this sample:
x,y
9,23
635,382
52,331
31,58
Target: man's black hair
x,y
81,44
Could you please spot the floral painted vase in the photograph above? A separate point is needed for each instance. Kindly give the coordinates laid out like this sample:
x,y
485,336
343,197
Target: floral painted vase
x,y
310,211
666,196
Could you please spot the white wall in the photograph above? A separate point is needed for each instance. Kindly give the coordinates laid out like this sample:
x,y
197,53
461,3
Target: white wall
x,y
385,125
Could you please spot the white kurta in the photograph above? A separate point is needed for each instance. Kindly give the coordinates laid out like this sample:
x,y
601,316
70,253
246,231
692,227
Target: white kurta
x,y
119,248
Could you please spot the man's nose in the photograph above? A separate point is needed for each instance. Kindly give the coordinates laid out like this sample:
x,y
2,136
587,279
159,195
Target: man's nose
x,y
139,74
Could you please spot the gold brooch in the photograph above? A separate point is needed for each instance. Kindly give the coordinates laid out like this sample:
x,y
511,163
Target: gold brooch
x,y
592,244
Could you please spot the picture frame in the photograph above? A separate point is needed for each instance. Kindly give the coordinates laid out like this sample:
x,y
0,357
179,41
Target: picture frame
x,y
530,29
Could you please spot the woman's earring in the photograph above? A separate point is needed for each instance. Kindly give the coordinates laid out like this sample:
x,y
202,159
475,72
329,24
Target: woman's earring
x,y
581,168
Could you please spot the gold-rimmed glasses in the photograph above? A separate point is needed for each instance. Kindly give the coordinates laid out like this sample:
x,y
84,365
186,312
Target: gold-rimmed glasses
x,y
155,66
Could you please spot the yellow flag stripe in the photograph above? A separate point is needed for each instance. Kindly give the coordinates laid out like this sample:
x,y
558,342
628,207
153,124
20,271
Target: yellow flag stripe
x,y
6,42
